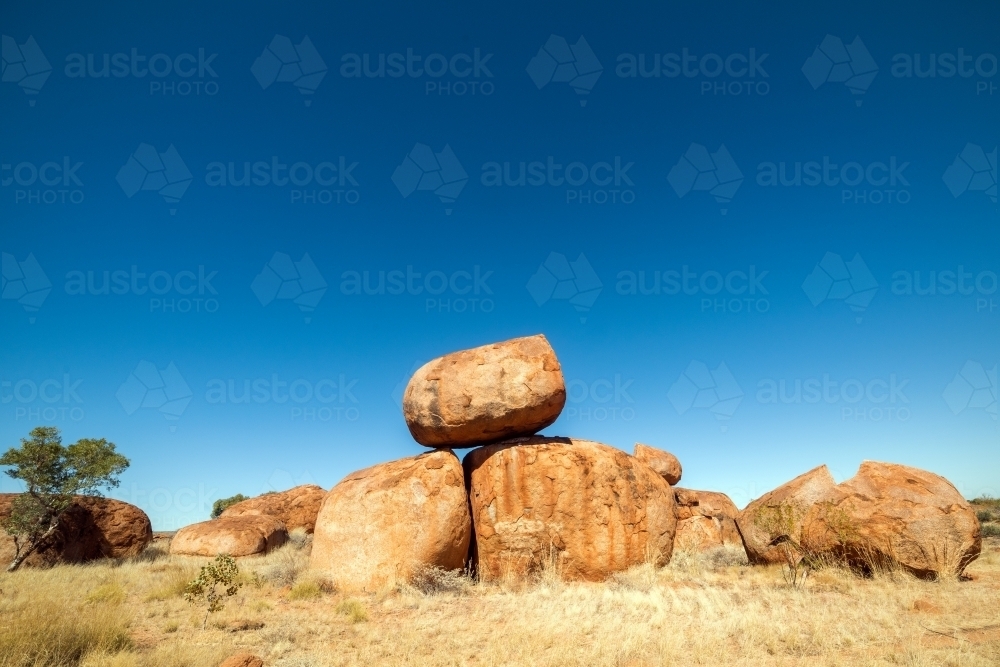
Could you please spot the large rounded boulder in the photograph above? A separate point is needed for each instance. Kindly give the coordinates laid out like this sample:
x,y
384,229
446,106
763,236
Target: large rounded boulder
x,y
891,514
92,528
485,394
771,526
705,520
296,507
587,509
386,523
248,535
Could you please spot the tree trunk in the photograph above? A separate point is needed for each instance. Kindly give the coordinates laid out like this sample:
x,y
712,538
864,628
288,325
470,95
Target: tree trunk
x,y
32,546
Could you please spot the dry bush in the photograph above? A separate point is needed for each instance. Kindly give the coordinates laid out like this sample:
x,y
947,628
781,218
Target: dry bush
x,y
435,581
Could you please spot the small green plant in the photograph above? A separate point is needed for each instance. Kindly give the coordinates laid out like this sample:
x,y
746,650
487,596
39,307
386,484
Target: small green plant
x,y
222,504
984,516
353,610
216,581
305,590
991,530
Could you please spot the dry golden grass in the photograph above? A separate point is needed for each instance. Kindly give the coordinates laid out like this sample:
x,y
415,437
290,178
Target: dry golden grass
x,y
700,610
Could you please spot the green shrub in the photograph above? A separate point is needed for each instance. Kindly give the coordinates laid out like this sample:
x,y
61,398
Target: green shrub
x,y
222,504
991,530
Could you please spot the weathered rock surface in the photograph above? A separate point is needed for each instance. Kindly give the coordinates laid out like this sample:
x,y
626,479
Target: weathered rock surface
x,y
665,464
242,659
587,508
385,523
92,528
894,514
296,507
488,393
705,520
777,516
247,535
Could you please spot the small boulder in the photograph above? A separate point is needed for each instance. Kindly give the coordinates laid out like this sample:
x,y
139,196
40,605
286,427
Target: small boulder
x,y
705,520
296,507
587,508
386,523
777,517
894,514
91,528
665,464
485,394
247,535
242,659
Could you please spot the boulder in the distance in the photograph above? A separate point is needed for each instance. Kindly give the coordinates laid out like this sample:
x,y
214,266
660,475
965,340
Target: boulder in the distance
x,y
247,535
296,508
485,394
705,520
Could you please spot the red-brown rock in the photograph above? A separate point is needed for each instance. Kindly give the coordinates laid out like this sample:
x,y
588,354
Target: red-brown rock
x,y
242,659
91,528
705,520
296,507
485,394
247,535
894,514
384,524
665,464
777,517
590,508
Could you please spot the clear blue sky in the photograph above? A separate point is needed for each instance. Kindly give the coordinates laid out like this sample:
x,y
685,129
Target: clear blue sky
x,y
364,174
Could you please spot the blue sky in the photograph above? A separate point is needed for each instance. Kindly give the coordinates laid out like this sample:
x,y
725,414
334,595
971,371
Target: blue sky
x,y
208,286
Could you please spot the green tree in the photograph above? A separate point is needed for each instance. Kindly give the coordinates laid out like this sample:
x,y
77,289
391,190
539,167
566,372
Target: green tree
x,y
222,504
53,474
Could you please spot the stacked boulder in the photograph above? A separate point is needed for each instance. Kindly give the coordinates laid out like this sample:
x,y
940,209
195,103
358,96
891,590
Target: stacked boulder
x,y
92,528
887,515
517,503
520,502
